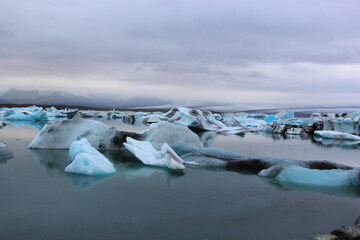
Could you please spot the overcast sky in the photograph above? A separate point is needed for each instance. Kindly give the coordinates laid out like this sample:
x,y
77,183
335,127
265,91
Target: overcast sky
x,y
304,52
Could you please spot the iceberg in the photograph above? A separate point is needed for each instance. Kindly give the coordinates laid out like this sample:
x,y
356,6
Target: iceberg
x,y
205,120
23,114
315,177
91,114
4,152
87,160
270,118
146,153
52,112
285,115
170,133
61,135
337,135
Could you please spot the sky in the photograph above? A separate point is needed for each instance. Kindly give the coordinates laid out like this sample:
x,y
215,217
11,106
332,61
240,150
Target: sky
x,y
270,53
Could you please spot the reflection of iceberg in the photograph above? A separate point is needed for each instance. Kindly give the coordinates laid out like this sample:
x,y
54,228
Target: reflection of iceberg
x,y
137,170
52,159
4,152
344,144
84,182
35,124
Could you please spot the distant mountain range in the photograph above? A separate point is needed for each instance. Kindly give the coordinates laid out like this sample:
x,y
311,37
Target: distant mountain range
x,y
15,96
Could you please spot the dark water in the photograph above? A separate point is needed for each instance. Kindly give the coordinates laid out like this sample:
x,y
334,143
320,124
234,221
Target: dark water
x,y
40,201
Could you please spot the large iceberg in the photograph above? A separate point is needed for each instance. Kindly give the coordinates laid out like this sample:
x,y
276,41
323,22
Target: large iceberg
x,y
4,152
337,135
23,114
169,133
87,160
146,153
61,135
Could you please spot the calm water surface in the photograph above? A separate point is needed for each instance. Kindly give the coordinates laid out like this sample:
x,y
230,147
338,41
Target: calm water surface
x,y
40,201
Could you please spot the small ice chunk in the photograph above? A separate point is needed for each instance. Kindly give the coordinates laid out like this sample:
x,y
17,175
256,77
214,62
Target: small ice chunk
x,y
336,135
87,160
146,153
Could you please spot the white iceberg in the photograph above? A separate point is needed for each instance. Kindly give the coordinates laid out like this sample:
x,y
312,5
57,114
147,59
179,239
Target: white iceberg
x,y
146,153
61,135
337,135
23,114
87,160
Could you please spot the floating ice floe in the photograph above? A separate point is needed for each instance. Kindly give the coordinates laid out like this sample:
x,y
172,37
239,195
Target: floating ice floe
x,y
23,114
146,153
87,160
4,152
337,135
315,177
61,135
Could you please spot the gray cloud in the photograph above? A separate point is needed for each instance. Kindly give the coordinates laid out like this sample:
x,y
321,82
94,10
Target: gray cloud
x,y
259,46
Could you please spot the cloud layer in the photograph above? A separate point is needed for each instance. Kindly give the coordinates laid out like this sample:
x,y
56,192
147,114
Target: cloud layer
x,y
301,52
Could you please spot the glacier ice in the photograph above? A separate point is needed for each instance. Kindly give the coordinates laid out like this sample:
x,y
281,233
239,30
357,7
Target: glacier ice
x,y
23,114
146,153
61,135
337,135
87,160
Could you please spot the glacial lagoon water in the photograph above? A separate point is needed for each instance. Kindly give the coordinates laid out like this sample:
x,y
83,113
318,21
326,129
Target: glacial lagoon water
x,y
40,201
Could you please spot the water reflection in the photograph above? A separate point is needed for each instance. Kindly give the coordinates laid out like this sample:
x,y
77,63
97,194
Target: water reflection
x,y
346,191
52,159
126,165
330,143
35,124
